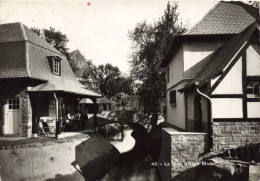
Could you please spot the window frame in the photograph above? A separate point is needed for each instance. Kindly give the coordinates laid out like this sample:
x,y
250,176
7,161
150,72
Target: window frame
x,y
56,66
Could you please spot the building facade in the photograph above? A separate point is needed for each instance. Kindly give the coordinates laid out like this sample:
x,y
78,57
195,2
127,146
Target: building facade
x,y
213,75
36,81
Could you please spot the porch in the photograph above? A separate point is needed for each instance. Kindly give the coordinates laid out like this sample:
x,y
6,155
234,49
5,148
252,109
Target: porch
x,y
58,113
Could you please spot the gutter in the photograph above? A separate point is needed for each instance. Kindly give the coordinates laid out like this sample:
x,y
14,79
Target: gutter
x,y
210,146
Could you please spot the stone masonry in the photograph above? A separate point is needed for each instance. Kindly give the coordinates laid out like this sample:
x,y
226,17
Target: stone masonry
x,y
180,151
227,135
26,120
16,89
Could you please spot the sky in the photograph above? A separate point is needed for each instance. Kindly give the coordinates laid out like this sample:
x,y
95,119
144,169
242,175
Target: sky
x,y
99,29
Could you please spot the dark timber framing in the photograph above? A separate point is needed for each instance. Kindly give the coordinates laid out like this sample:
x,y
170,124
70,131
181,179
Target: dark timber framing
x,y
227,96
236,120
244,84
229,67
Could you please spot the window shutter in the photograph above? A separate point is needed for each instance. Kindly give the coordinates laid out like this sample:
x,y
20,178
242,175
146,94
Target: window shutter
x,y
60,67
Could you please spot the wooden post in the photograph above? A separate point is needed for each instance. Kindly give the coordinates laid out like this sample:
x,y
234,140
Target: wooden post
x,y
35,121
95,114
58,115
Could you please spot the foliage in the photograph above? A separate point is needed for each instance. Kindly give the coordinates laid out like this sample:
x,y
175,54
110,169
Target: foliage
x,y
110,79
254,3
58,40
150,43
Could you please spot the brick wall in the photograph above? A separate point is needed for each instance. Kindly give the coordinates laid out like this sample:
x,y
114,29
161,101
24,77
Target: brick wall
x,y
182,150
228,135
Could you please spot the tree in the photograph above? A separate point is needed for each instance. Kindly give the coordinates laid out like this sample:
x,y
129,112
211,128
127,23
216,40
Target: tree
x,y
150,43
58,40
110,79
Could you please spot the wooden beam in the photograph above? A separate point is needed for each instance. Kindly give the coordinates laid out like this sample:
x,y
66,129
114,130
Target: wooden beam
x,y
234,61
236,120
227,96
244,84
253,99
95,113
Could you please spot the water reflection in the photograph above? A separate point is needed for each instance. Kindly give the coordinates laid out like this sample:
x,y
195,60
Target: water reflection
x,y
135,164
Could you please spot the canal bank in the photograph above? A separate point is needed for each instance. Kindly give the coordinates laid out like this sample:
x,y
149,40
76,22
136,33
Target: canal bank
x,y
136,164
74,158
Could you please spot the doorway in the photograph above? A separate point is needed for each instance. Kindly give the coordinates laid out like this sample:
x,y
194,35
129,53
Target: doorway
x,y
197,114
12,116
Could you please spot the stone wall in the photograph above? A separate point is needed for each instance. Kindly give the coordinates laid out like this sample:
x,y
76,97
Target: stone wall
x,y
17,89
228,135
180,151
26,120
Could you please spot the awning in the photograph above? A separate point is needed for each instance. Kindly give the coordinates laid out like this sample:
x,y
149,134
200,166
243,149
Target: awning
x,y
65,86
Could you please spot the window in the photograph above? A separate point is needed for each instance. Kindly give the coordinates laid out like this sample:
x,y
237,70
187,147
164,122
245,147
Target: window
x,y
168,75
253,89
55,64
14,103
56,67
173,101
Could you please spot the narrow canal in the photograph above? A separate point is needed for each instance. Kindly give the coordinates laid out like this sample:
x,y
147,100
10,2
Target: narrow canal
x,y
135,165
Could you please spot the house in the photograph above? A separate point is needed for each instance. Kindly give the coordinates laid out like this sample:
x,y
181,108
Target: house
x,y
104,104
36,81
213,77
83,66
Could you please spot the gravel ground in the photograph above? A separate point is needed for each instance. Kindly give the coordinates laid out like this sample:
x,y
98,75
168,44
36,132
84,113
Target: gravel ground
x,y
39,141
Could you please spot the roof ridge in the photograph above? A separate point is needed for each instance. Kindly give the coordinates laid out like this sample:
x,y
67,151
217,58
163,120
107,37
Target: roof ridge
x,y
11,23
26,50
40,39
203,17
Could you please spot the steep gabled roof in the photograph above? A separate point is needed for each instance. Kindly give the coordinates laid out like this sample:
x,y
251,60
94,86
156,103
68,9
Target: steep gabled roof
x,y
25,54
219,59
225,20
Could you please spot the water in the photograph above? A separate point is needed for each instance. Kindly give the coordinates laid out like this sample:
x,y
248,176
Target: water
x,y
134,165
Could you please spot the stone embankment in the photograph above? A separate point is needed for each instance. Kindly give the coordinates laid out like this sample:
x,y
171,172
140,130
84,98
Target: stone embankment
x,y
66,159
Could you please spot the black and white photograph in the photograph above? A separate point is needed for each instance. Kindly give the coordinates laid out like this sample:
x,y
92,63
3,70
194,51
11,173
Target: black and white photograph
x,y
129,90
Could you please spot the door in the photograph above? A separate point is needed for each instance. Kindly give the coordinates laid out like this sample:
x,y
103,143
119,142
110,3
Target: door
x,y
197,114
12,116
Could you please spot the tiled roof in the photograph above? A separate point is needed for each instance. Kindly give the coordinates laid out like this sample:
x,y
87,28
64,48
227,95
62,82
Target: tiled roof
x,y
35,39
226,18
64,86
11,32
12,60
24,54
219,59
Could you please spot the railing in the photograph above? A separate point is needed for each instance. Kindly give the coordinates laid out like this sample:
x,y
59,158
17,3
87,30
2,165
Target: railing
x,y
110,129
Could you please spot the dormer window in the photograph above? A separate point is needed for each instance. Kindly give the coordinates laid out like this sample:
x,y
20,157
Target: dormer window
x,y
55,64
56,67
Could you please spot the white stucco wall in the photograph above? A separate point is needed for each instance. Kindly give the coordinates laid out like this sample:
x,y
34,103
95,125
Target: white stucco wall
x,y
227,108
253,62
176,115
190,97
232,83
176,68
253,109
197,50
